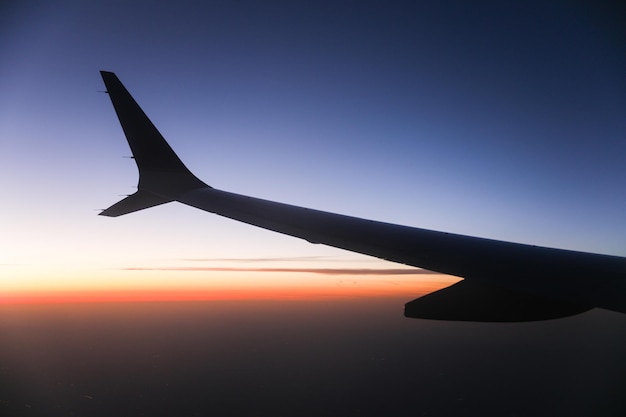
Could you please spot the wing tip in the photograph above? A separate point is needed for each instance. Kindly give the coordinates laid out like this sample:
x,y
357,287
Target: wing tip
x,y
140,200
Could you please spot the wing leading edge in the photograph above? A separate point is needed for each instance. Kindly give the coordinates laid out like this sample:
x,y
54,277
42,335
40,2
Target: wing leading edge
x,y
503,281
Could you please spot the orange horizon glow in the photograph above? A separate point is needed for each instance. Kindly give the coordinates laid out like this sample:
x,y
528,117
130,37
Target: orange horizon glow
x,y
205,294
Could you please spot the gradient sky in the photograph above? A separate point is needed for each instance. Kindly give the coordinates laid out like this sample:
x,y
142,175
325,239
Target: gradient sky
x,y
499,119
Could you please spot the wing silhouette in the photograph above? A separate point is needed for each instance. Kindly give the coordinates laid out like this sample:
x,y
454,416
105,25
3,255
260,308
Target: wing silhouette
x,y
502,281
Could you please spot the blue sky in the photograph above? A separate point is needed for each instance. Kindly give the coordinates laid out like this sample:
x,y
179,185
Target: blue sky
x,y
501,120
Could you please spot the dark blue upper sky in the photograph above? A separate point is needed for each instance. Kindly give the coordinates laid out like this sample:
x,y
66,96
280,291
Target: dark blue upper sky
x,y
498,119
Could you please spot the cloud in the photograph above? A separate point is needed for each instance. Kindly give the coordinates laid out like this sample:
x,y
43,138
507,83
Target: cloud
x,y
323,271
310,270
252,260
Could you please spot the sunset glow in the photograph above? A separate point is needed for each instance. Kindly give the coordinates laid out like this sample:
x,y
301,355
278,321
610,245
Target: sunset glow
x,y
302,287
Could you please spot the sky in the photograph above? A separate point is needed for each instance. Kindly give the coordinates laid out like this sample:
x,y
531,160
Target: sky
x,y
496,119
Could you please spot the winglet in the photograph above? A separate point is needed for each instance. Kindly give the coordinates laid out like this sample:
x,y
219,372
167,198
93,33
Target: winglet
x,y
135,202
162,175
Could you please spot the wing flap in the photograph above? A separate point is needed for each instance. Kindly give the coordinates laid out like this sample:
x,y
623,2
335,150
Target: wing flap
x,y
476,301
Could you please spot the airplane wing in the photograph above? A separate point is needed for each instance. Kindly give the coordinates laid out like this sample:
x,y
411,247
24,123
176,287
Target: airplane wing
x,y
502,281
